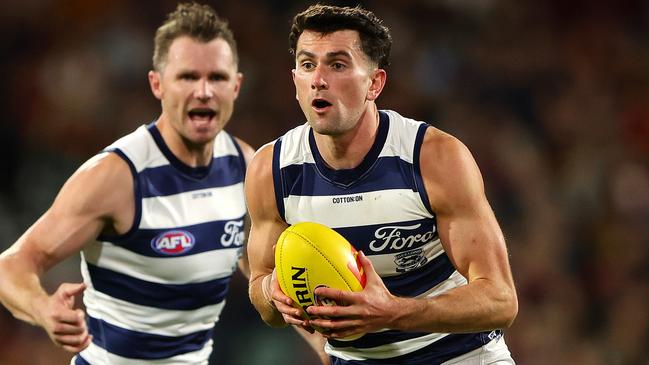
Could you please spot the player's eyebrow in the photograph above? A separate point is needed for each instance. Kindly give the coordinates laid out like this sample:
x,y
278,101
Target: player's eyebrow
x,y
338,54
305,53
329,54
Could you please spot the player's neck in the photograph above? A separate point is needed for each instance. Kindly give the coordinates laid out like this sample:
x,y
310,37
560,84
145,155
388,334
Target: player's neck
x,y
347,151
191,154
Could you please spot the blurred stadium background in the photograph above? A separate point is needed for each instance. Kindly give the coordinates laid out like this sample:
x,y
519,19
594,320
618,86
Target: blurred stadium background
x,y
552,97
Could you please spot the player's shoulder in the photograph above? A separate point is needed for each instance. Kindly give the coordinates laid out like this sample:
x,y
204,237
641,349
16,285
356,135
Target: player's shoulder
x,y
445,159
101,186
449,170
436,142
136,137
295,139
246,149
262,160
105,167
433,146
139,148
443,148
259,184
245,146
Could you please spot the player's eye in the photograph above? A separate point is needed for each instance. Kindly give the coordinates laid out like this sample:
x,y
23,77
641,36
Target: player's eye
x,y
307,65
188,77
218,77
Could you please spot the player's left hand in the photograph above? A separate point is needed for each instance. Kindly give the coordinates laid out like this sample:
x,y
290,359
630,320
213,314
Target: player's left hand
x,y
369,310
284,305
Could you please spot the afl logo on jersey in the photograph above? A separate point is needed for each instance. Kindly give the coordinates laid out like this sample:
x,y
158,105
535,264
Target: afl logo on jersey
x,y
173,242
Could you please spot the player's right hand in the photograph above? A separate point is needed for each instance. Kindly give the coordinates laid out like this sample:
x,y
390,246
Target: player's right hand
x,y
65,325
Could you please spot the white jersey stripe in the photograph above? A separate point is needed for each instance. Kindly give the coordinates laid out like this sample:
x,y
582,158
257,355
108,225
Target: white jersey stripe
x,y
385,351
370,208
157,321
216,204
100,356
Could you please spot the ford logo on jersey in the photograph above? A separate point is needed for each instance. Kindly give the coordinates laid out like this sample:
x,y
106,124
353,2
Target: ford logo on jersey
x,y
174,242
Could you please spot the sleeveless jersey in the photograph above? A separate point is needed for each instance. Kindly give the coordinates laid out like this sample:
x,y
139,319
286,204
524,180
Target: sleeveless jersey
x,y
382,208
155,292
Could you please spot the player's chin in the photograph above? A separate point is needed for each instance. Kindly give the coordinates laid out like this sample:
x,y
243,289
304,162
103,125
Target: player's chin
x,y
201,136
325,126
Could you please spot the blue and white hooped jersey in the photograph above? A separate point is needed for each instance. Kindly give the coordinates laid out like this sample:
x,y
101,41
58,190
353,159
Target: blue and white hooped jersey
x,y
155,293
382,208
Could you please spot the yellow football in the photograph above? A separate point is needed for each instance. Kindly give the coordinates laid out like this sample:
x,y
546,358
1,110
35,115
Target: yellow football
x,y
310,255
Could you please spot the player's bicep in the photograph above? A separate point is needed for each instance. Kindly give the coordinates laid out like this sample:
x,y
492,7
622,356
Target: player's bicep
x,y
474,243
467,226
266,225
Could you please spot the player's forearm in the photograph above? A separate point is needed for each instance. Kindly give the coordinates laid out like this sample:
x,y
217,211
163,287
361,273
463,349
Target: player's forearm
x,y
264,306
20,289
479,306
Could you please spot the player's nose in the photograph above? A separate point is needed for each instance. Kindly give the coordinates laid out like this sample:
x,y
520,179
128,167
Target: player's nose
x,y
203,90
318,80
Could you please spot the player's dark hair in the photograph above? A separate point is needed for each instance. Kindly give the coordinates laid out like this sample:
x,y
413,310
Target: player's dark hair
x,y
376,40
200,22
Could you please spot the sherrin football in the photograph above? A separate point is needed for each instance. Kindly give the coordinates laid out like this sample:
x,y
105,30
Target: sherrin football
x,y
310,255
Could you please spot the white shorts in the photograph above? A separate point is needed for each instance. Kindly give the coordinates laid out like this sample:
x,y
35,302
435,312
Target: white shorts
x,y
493,353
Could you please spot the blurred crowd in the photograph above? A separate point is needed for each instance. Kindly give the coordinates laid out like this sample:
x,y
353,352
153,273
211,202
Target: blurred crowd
x,y
552,98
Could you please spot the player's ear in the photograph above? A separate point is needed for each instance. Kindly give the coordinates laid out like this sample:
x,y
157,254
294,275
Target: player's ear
x,y
377,82
155,83
237,86
293,75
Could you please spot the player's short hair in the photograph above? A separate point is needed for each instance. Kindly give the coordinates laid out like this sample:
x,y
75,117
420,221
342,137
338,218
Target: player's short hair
x,y
376,40
200,22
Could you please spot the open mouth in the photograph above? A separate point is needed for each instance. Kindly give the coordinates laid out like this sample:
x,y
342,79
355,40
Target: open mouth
x,y
201,114
320,103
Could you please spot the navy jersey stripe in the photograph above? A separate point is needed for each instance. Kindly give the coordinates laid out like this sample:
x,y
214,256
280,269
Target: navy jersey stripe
x,y
388,172
450,346
370,340
419,140
345,178
138,345
165,180
144,240
164,296
242,158
137,193
278,179
418,281
364,238
193,172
